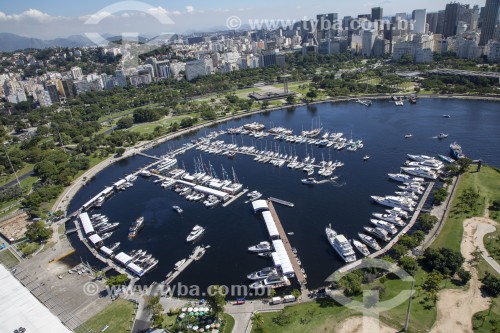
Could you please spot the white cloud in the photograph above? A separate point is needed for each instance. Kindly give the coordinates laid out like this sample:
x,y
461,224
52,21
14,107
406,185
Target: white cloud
x,y
158,11
190,9
30,14
221,10
176,12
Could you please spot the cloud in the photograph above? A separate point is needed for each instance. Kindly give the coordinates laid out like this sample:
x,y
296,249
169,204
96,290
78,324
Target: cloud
x,y
176,12
30,14
190,9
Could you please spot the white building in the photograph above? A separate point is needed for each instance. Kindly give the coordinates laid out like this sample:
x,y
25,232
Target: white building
x,y
492,50
76,73
197,68
368,41
419,18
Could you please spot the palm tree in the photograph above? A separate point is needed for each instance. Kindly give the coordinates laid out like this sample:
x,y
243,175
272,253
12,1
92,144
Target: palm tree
x,y
258,321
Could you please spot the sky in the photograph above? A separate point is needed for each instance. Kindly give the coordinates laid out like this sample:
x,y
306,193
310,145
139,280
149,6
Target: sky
x,y
54,18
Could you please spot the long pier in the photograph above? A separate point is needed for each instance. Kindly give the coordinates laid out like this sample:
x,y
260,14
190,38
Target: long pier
x,y
293,259
402,232
192,257
237,196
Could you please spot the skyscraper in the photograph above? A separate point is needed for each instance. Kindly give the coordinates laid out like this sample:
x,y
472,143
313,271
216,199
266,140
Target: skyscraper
x,y
452,15
432,21
419,18
440,22
377,13
490,20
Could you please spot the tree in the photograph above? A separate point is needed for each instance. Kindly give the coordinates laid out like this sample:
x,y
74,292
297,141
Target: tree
x,y
427,221
119,151
258,321
440,195
265,104
443,260
290,99
399,250
351,283
464,275
157,309
125,122
38,231
117,280
216,299
432,281
407,263
312,94
296,293
463,164
491,284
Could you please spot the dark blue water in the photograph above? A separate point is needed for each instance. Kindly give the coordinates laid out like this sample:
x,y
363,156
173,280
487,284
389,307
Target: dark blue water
x,y
475,125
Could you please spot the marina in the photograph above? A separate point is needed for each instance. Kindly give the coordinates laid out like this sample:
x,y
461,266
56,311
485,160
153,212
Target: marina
x,y
165,230
198,252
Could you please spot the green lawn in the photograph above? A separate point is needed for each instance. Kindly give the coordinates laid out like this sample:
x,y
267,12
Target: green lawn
x,y
487,324
149,127
8,259
12,205
228,323
28,248
125,112
492,244
119,316
487,183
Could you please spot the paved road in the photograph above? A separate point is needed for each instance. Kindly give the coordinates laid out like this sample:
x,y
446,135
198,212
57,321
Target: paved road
x,y
482,230
14,182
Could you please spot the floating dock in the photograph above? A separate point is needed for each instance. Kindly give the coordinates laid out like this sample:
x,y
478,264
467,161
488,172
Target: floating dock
x,y
230,201
282,202
198,252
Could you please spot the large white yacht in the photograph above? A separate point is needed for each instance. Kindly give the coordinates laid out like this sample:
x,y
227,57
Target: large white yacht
x,y
391,218
384,225
330,234
362,248
379,233
370,241
394,201
419,158
261,247
262,274
344,248
272,281
421,172
401,177
195,233
399,212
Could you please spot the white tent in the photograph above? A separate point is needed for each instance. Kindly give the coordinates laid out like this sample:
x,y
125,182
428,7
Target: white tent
x,y
259,205
286,264
270,224
135,269
95,239
86,224
123,258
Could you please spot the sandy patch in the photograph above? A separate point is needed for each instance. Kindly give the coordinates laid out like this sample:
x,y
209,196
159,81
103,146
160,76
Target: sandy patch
x,y
362,325
14,228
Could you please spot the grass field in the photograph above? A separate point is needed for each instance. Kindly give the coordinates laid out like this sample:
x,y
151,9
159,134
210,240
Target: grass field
x,y
8,259
487,183
491,318
118,316
5,179
228,323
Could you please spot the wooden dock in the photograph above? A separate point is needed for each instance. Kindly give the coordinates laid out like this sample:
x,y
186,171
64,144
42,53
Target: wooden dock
x,y
230,201
296,267
193,257
402,232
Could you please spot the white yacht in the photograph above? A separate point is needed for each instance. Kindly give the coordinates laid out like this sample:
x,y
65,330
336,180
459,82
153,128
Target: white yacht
x,y
379,233
399,212
401,177
370,241
419,158
391,218
309,181
179,264
362,248
384,225
393,201
421,172
330,234
272,281
195,233
344,248
261,247
442,136
407,194
262,274
145,173
177,209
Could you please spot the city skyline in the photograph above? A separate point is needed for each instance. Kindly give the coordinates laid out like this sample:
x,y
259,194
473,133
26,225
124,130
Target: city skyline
x,y
51,20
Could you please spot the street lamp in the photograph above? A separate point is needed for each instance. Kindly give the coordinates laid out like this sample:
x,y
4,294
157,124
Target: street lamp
x,y
416,253
8,158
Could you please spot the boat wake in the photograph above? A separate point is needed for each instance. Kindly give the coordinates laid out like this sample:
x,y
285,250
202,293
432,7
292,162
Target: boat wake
x,y
337,184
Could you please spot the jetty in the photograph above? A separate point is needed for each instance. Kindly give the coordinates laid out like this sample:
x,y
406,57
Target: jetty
x,y
198,252
239,195
288,247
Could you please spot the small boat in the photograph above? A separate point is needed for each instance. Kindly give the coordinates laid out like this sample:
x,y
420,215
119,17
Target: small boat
x,y
407,136
446,159
265,254
399,103
195,233
290,233
366,157
442,136
179,264
446,116
261,247
309,181
262,274
177,209
362,248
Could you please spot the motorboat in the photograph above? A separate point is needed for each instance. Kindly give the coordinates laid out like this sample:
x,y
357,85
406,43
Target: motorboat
x,y
179,264
342,246
391,218
134,229
384,225
265,254
394,201
421,172
456,151
415,188
195,233
309,181
370,241
145,173
366,157
261,247
177,209
330,234
398,211
401,177
272,281
262,274
362,248
446,159
442,136
108,227
407,136
106,235
407,194
419,158
446,116
114,246
379,233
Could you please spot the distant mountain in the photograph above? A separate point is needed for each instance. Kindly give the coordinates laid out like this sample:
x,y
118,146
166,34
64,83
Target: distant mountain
x,y
11,42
